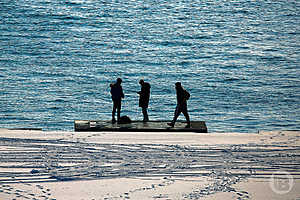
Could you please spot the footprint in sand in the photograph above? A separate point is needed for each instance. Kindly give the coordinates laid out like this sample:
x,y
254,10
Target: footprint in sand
x,y
40,187
7,187
160,196
43,196
243,195
126,195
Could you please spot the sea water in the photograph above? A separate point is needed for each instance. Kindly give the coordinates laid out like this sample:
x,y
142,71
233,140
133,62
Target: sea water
x,y
238,59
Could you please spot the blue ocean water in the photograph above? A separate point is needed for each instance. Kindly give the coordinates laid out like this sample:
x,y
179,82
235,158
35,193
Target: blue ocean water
x,y
239,59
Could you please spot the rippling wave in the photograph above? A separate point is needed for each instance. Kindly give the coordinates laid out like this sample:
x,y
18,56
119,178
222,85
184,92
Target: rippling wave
x,y
239,60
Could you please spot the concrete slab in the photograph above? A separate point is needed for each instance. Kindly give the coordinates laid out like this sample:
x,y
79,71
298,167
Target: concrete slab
x,y
139,126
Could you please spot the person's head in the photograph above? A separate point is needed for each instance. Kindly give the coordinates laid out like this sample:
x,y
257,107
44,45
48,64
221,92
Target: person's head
x,y
178,85
141,82
119,80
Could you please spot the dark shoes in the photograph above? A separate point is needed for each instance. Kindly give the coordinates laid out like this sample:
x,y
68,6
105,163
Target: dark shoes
x,y
188,126
171,124
113,121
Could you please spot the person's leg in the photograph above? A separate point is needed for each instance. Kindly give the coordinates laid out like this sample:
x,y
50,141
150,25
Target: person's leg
x,y
145,114
187,117
118,110
114,112
176,115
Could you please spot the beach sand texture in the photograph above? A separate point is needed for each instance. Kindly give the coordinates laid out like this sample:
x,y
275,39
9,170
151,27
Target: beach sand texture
x,y
114,165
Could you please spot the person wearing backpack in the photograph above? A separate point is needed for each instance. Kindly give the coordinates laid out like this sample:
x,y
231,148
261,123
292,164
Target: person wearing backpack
x,y
117,95
182,97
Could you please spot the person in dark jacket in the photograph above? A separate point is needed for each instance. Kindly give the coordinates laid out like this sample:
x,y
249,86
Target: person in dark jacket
x,y
182,97
144,98
117,95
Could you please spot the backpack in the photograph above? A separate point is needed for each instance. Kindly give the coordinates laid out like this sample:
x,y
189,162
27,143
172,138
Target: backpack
x,y
124,120
186,95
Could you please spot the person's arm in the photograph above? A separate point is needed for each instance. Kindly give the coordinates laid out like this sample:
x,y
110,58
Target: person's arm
x,y
148,88
142,92
111,88
180,97
122,94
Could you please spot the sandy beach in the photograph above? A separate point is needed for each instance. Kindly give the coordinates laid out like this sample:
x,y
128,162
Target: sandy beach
x,y
113,165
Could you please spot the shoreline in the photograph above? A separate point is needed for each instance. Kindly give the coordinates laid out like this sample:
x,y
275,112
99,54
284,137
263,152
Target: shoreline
x,y
213,132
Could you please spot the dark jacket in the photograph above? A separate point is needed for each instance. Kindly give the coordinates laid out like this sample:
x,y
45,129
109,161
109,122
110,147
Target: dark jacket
x,y
182,96
144,95
116,91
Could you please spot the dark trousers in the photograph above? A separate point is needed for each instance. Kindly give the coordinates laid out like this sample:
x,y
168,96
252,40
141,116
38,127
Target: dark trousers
x,y
181,109
116,107
145,114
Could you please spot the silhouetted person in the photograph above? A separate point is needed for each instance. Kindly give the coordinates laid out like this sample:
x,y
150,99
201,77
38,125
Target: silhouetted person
x,y
182,97
144,98
117,94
